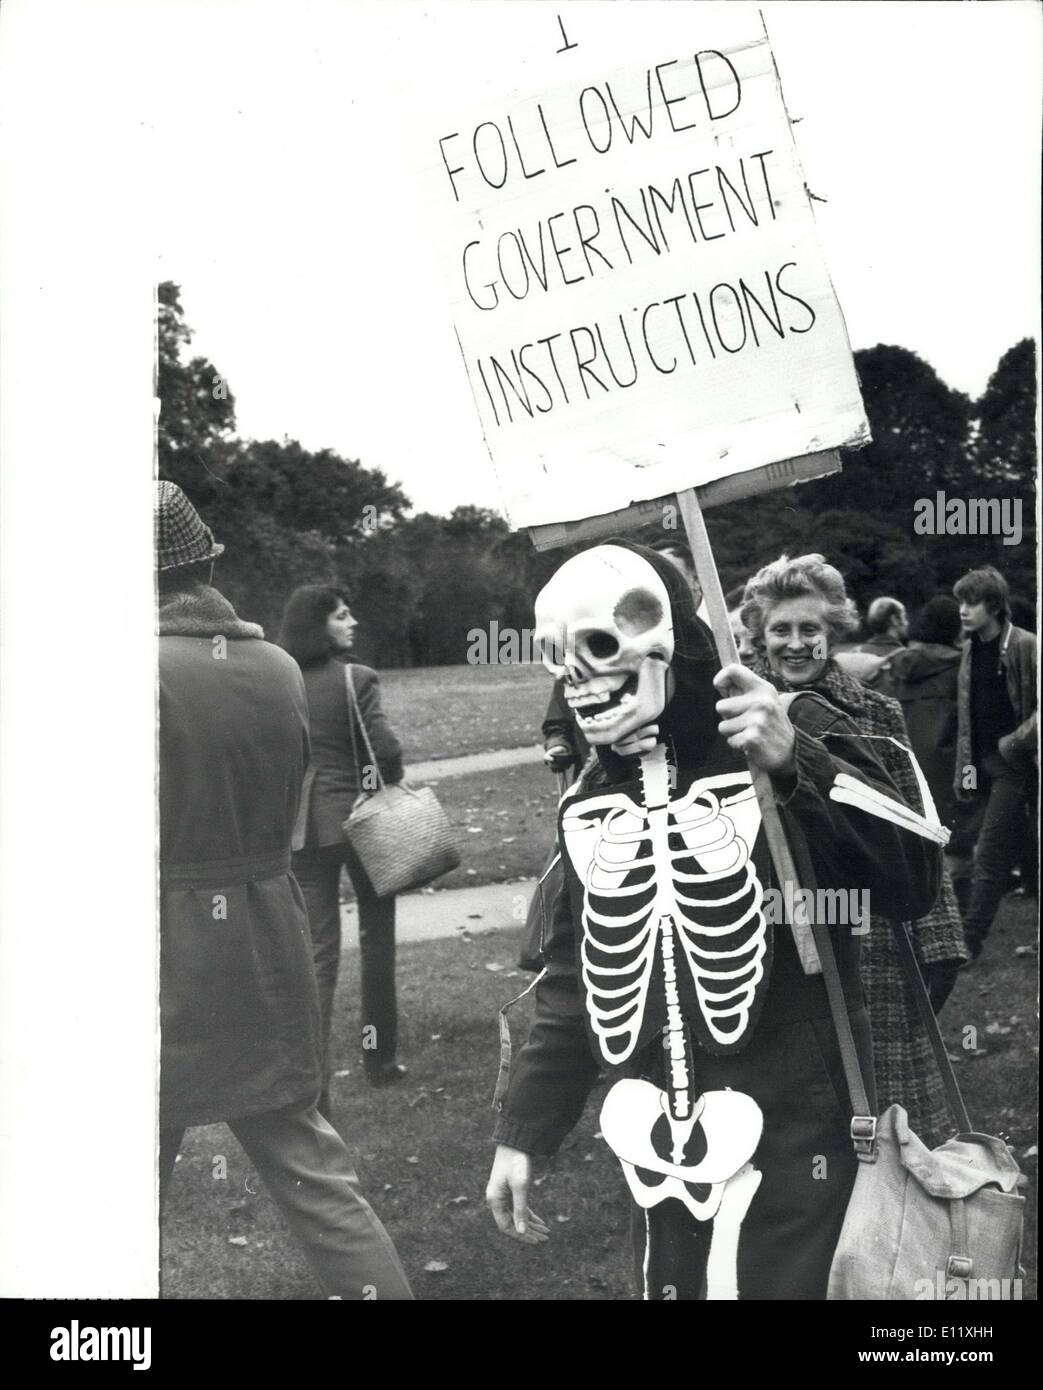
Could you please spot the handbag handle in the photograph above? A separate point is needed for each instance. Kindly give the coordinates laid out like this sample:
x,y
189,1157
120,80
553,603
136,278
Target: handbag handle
x,y
354,713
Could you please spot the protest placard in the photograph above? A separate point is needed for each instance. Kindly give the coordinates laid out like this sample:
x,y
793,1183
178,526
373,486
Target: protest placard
x,y
636,284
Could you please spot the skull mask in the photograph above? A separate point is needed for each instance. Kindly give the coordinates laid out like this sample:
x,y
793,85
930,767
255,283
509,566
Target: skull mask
x,y
603,623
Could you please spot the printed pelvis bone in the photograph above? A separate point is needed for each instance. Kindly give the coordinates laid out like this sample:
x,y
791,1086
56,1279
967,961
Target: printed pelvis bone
x,y
671,883
603,624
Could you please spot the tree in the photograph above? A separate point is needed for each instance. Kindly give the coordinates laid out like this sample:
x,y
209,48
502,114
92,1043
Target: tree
x,y
1004,451
921,431
197,408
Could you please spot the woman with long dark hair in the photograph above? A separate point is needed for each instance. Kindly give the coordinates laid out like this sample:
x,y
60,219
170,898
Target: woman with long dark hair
x,y
318,631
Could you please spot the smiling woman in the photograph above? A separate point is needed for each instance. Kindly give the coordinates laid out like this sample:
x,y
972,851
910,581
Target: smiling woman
x,y
796,610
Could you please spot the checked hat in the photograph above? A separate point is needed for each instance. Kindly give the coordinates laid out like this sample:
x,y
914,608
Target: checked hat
x,y
182,536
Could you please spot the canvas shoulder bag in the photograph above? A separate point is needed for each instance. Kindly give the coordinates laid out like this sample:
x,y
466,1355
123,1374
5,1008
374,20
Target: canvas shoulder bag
x,y
943,1223
921,1223
401,834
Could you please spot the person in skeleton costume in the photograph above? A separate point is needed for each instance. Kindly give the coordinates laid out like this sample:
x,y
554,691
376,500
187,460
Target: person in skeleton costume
x,y
664,967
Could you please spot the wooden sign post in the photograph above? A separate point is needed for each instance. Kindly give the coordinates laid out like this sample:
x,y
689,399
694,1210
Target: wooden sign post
x,y
774,833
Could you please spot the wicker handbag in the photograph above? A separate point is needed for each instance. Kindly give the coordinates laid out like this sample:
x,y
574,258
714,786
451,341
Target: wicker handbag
x,y
402,836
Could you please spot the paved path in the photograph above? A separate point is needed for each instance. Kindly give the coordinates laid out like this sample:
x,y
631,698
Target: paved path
x,y
438,768
489,907
427,916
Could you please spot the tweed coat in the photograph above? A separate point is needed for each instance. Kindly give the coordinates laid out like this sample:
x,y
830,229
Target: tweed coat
x,y
338,750
906,1071
238,1003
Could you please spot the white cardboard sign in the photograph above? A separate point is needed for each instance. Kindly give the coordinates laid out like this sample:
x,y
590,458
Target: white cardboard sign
x,y
637,287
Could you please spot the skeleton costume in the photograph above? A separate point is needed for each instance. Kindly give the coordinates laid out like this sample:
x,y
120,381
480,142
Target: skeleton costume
x,y
664,967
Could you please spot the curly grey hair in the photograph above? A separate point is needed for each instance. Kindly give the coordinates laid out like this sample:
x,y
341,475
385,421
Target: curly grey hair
x,y
803,576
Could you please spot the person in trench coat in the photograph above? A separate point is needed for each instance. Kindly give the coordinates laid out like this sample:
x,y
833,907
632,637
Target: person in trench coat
x,y
238,1002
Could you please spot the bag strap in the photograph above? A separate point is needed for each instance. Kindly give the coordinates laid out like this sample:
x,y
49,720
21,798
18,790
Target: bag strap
x,y
842,1019
863,1118
930,1023
354,713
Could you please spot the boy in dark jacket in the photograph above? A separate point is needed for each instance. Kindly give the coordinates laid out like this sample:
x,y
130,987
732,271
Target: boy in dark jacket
x,y
997,758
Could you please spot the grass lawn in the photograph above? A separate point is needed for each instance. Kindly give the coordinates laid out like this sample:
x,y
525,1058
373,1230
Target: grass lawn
x,y
446,711
991,1029
423,1150
504,822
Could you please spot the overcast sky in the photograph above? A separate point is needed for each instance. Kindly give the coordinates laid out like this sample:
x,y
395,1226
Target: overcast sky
x,y
295,226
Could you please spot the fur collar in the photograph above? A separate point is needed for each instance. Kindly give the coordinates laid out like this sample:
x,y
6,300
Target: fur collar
x,y
202,612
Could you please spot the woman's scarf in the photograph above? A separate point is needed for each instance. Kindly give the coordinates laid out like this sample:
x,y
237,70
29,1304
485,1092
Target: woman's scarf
x,y
202,612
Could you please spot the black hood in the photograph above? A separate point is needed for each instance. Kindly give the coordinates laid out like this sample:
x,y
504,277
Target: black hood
x,y
689,721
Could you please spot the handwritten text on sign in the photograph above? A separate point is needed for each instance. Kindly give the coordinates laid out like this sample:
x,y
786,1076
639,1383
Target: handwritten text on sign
x,y
638,291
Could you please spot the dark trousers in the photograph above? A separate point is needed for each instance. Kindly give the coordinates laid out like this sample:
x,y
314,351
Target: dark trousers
x,y
318,873
805,1159
1001,843
306,1167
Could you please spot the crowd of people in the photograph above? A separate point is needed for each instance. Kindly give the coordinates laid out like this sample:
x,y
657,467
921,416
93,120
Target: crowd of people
x,y
260,767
